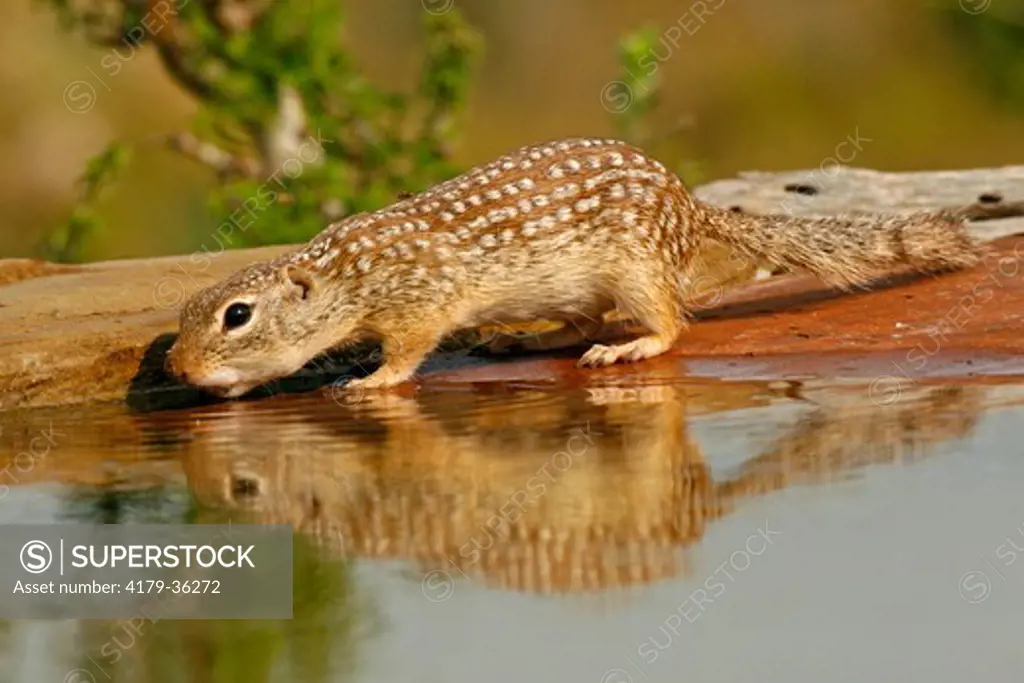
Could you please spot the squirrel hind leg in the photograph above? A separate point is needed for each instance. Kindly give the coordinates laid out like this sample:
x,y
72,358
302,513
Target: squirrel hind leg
x,y
648,346
658,307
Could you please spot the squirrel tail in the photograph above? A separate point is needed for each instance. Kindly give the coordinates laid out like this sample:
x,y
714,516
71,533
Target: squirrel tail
x,y
846,251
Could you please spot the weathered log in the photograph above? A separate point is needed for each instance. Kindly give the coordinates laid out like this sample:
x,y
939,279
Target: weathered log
x,y
993,198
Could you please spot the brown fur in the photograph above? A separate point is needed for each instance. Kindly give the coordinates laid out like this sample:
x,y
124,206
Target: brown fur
x,y
563,231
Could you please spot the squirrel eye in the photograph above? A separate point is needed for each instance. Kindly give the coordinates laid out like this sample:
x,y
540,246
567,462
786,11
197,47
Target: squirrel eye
x,y
237,315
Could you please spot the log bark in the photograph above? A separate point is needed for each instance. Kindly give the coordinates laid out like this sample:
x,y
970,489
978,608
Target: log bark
x,y
992,197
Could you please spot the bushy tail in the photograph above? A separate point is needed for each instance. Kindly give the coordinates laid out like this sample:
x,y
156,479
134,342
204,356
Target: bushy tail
x,y
846,251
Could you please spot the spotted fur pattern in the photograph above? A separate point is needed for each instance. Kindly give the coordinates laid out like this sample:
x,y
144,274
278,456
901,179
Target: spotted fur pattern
x,y
567,231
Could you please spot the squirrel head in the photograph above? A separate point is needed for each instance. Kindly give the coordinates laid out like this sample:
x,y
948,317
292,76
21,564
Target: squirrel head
x,y
263,323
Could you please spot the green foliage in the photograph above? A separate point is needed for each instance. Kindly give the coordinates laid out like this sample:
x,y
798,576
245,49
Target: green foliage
x,y
991,33
642,83
296,135
634,97
65,242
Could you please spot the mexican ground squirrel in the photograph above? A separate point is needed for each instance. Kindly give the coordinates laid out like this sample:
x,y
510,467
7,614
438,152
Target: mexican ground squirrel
x,y
563,231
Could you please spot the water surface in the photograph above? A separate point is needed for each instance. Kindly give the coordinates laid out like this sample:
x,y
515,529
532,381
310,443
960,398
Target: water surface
x,y
699,530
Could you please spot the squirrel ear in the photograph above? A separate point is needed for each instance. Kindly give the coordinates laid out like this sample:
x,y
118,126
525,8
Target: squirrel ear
x,y
301,279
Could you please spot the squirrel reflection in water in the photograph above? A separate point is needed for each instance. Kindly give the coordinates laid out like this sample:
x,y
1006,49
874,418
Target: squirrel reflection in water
x,y
598,489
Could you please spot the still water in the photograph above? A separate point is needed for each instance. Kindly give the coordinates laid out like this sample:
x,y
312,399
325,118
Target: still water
x,y
713,531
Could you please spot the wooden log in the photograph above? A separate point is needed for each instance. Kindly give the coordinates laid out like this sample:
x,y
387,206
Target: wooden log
x,y
992,197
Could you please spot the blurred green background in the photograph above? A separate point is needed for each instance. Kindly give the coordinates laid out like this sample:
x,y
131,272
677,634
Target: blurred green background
x,y
758,85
